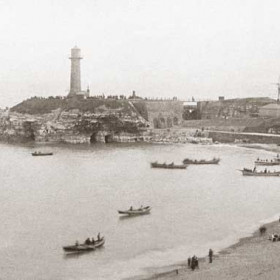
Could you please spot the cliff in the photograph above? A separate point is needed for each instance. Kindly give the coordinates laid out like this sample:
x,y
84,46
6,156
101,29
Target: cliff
x,y
72,121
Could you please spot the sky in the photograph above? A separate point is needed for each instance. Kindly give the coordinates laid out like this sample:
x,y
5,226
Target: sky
x,y
159,48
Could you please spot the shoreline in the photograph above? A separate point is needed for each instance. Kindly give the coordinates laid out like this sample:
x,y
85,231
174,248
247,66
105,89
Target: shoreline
x,y
252,257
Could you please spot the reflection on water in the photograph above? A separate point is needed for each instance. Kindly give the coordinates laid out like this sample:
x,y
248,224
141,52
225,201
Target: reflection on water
x,y
49,202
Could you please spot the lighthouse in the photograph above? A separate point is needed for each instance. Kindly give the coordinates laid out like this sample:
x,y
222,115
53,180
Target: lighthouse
x,y
75,79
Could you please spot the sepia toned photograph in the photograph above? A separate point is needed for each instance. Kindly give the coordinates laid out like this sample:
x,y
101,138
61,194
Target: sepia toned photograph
x,y
140,140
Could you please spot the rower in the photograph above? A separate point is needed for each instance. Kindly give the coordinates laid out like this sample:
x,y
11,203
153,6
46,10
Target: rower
x,y
87,242
98,236
92,240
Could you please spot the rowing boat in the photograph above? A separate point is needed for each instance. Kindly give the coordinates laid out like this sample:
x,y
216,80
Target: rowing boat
x,y
41,154
84,247
267,163
202,161
134,212
249,172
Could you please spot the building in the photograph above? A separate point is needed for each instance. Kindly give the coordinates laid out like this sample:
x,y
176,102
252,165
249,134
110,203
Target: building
x,y
164,113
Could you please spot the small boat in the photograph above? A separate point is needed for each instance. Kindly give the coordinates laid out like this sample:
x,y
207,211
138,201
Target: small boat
x,y
168,166
267,162
202,161
139,211
250,172
41,154
84,247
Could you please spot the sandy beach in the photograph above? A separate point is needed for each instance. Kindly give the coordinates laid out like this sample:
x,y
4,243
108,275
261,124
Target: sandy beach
x,y
253,257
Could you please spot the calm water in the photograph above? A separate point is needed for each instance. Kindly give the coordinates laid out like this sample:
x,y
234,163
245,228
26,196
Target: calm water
x,y
47,202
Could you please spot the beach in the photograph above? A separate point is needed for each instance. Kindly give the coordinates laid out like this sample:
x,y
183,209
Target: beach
x,y
253,257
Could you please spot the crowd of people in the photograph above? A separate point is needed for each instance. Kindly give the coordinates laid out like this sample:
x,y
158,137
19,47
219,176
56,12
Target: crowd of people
x,y
92,241
193,262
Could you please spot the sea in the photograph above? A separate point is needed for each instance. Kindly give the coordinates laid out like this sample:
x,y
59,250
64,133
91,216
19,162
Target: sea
x,y
50,202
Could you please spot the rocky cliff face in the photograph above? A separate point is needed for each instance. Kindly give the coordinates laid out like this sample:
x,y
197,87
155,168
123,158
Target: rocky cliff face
x,y
72,126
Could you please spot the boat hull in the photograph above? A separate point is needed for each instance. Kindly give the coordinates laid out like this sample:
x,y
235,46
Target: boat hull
x,y
267,163
41,154
263,174
168,166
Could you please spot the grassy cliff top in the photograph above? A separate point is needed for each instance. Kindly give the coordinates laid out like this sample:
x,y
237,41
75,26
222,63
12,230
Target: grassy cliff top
x,y
38,105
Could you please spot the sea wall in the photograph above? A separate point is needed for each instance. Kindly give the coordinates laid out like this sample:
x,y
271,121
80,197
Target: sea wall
x,y
231,137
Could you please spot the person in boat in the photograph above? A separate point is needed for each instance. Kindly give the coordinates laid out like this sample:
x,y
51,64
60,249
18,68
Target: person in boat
x,y
92,241
131,208
77,243
87,242
98,236
141,208
265,171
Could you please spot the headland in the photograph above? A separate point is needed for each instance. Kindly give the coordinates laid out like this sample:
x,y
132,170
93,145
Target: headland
x,y
132,119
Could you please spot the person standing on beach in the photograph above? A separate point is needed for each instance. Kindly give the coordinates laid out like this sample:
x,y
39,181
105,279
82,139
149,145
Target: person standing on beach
x,y
189,262
210,255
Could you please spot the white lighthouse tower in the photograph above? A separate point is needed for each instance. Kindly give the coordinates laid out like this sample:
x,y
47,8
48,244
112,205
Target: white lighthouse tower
x,y
75,80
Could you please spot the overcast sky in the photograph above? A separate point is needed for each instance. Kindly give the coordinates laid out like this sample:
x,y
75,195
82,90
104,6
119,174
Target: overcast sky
x,y
158,48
